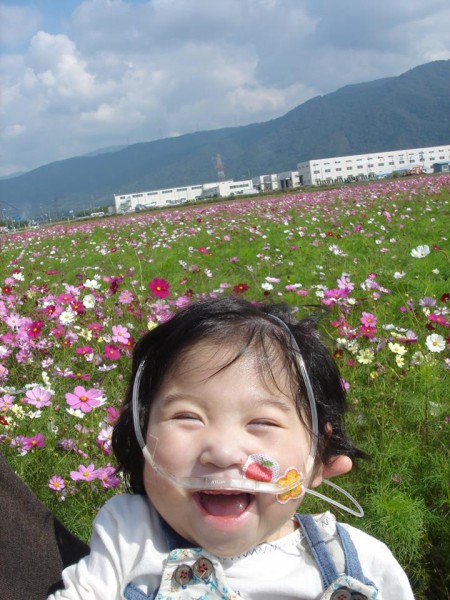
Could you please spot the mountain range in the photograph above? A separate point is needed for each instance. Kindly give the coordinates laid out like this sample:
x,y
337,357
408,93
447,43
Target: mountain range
x,y
408,111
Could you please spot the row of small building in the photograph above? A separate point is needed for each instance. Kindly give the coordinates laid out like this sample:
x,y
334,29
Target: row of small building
x,y
323,171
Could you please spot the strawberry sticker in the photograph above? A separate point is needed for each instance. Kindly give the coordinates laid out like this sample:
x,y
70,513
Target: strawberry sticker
x,y
261,467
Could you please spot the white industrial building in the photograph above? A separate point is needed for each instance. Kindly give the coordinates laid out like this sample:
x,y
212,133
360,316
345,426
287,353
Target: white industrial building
x,y
320,171
276,181
224,189
358,167
158,198
137,201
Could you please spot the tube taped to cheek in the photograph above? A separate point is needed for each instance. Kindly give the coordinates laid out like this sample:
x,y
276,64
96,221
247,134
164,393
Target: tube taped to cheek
x,y
260,474
289,486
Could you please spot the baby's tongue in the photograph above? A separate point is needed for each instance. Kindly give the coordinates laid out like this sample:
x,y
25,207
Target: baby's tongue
x,y
224,505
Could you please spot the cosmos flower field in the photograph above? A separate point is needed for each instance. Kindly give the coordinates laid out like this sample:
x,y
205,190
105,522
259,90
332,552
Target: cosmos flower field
x,y
372,259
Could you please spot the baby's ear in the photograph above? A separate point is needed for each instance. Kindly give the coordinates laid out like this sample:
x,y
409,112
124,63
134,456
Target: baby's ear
x,y
337,465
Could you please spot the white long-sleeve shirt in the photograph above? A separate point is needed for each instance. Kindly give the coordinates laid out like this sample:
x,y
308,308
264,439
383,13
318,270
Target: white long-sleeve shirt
x,y
128,545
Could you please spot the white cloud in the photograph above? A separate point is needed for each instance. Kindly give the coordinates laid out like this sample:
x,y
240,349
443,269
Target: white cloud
x,y
126,71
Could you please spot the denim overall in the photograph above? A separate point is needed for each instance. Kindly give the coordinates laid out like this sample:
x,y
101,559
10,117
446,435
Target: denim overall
x,y
194,574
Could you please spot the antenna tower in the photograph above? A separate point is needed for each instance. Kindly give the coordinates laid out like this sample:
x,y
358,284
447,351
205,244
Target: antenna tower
x,y
220,168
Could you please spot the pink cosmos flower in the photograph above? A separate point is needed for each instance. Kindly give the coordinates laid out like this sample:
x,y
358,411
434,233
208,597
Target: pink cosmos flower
x,y
66,298
126,297
14,321
104,439
368,319
345,385
95,326
182,301
83,350
112,414
84,473
439,319
38,397
107,476
159,287
58,331
345,283
84,376
84,400
6,402
120,334
56,483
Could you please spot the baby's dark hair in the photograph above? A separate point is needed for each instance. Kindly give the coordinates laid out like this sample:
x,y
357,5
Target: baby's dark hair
x,y
232,322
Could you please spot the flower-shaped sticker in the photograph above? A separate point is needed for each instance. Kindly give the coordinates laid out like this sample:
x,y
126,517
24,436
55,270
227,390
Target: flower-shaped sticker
x,y
291,475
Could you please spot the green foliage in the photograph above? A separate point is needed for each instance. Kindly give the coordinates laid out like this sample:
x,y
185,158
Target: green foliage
x,y
398,402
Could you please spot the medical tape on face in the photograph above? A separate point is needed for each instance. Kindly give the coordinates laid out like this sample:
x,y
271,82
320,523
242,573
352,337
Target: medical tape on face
x,y
285,489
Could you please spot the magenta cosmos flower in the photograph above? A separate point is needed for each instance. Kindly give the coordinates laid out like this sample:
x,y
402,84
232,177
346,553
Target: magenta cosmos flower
x,y
159,287
112,352
37,441
84,400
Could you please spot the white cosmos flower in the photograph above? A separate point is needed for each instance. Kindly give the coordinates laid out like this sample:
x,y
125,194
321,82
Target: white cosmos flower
x,y
267,286
67,317
435,342
399,360
89,301
75,412
399,274
420,251
91,284
397,348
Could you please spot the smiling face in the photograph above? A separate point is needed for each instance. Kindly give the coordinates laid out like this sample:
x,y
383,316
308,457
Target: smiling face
x,y
207,421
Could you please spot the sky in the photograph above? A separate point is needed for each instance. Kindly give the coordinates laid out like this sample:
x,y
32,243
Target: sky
x,y
77,76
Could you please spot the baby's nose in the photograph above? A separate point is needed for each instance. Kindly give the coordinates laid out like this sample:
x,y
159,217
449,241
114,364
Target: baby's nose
x,y
223,451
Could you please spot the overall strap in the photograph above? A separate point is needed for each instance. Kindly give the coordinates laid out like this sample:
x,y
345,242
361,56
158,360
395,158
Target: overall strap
x,y
319,550
323,557
352,564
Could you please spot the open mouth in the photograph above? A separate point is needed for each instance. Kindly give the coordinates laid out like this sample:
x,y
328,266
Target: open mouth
x,y
225,503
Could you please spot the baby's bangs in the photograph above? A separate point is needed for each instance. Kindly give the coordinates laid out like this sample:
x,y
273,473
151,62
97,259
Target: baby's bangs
x,y
273,350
